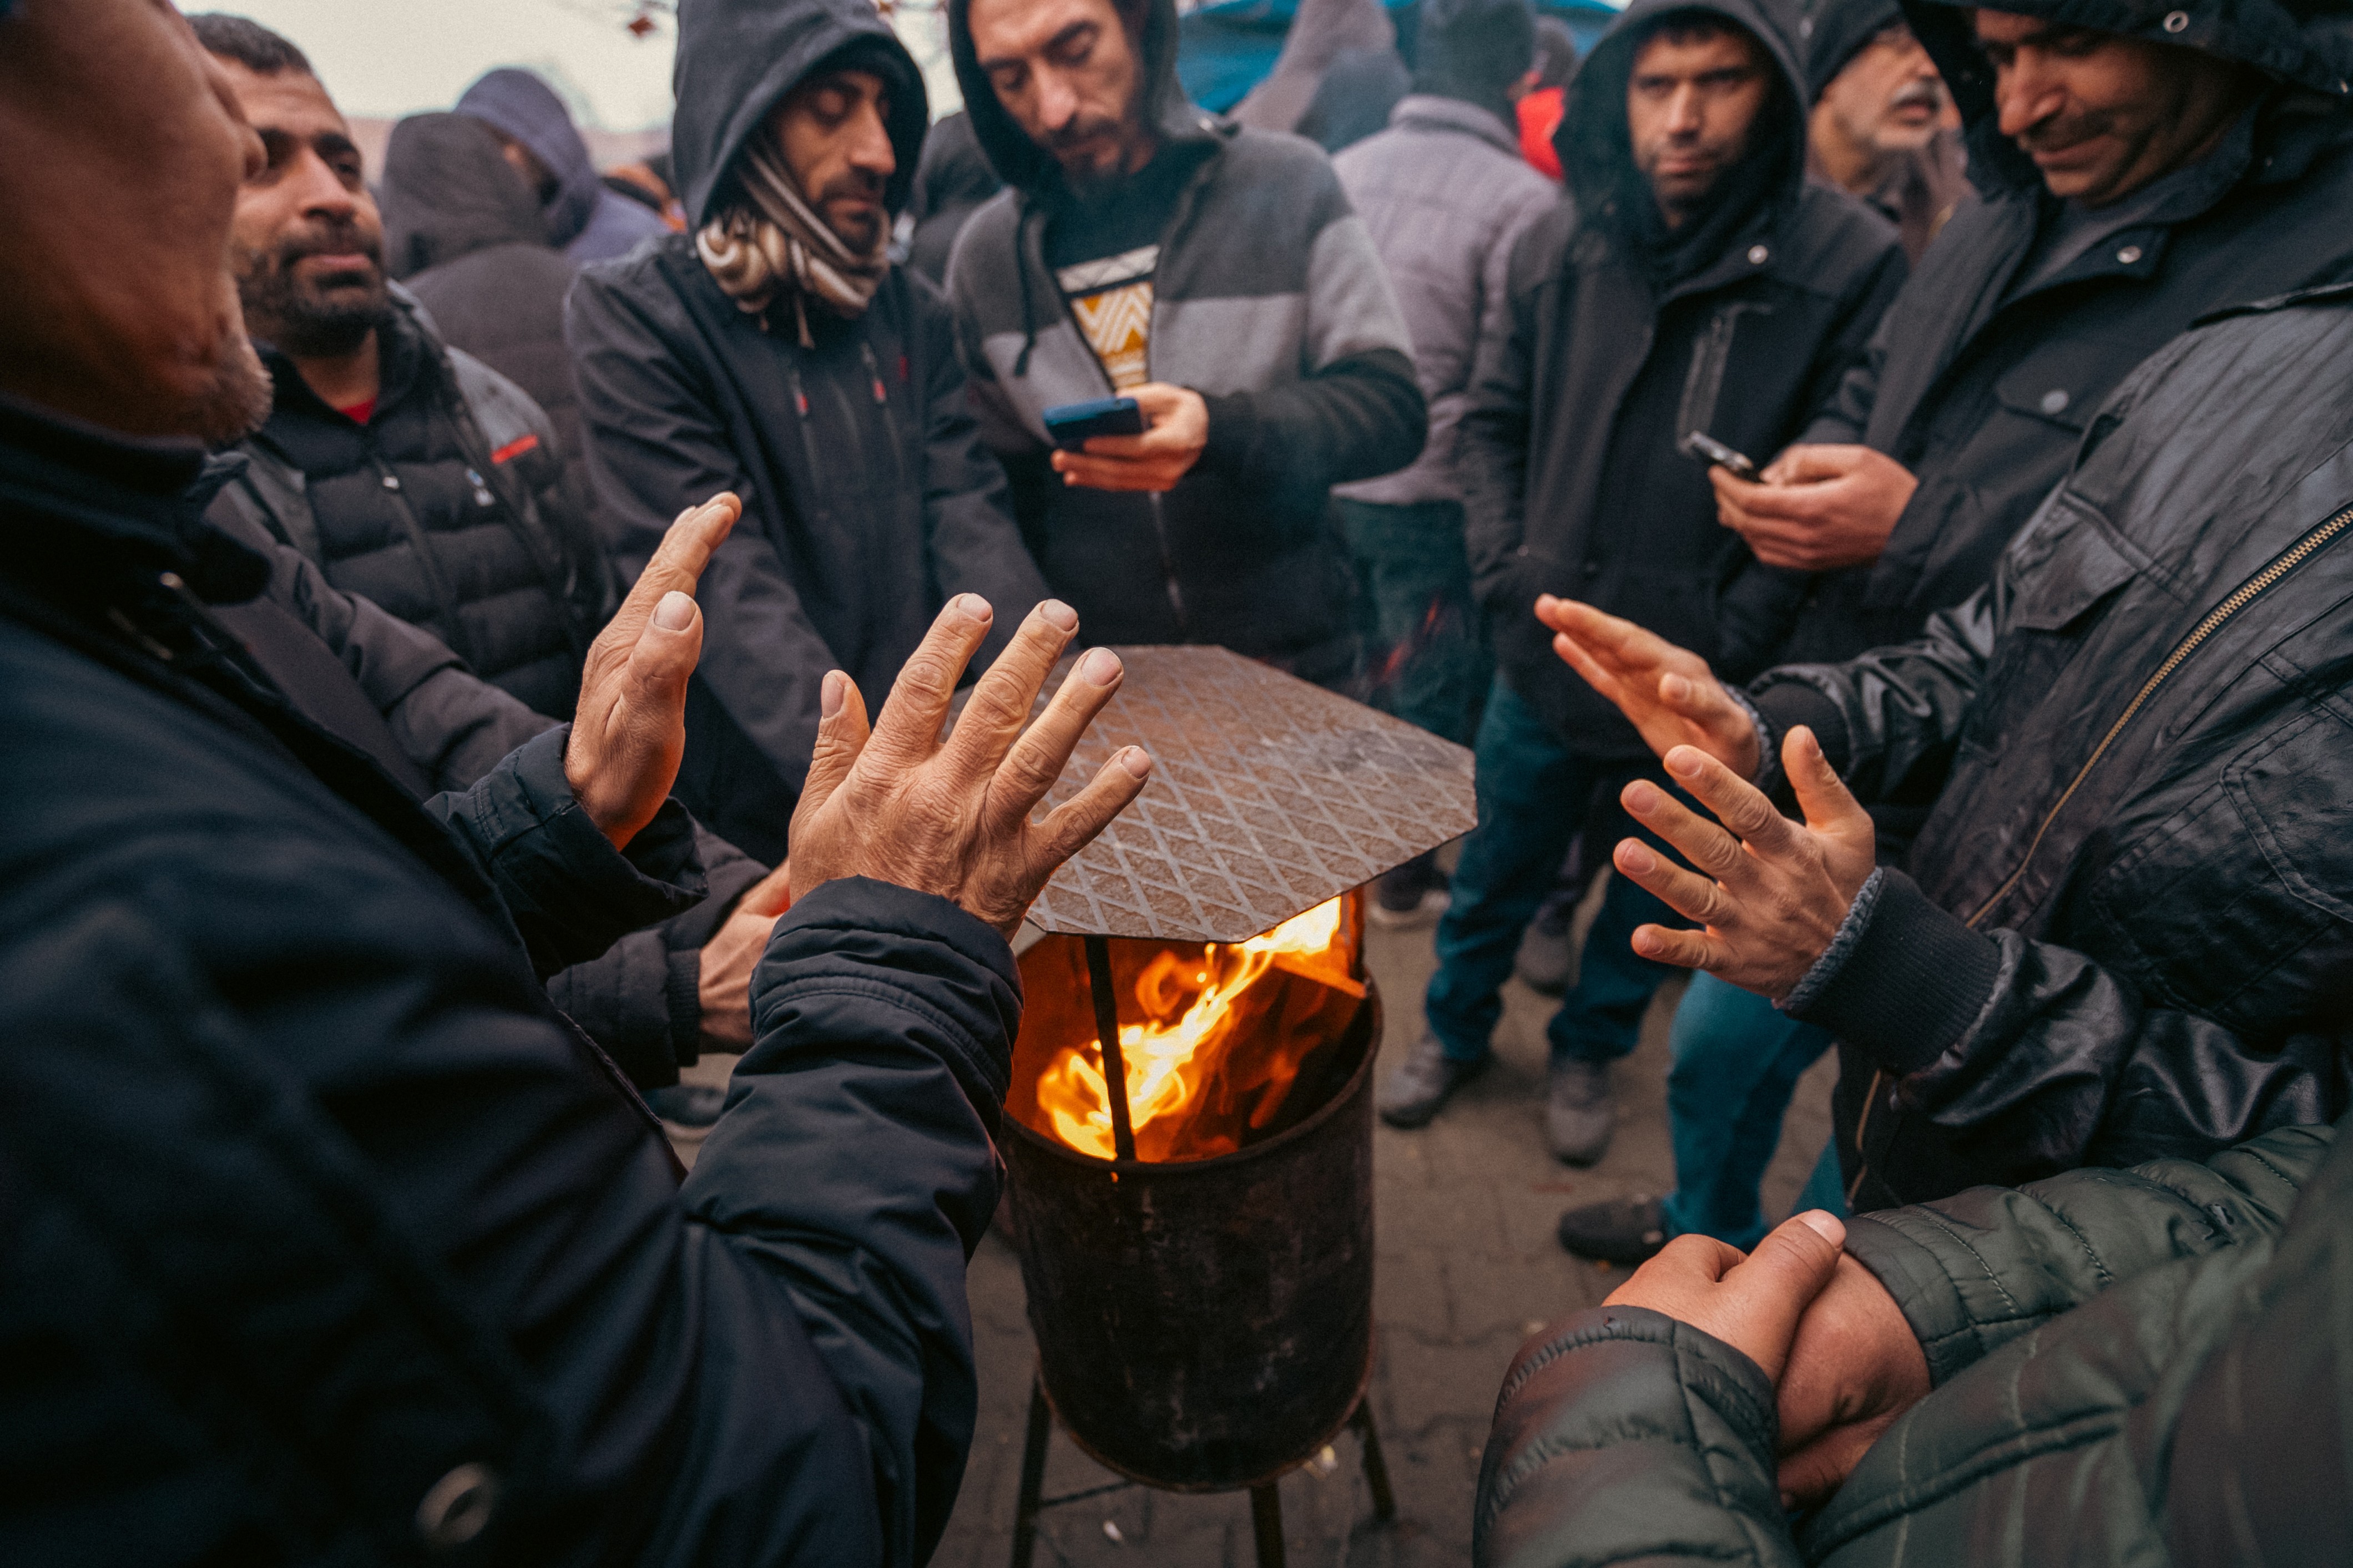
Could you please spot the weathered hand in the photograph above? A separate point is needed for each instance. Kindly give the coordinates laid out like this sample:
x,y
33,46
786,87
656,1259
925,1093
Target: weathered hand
x,y
1667,691
1754,1301
1178,428
1816,508
952,817
1855,1367
723,986
1774,891
629,729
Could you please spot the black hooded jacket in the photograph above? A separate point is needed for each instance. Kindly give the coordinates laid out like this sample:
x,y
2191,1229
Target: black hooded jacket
x,y
467,236
1270,300
1982,385
867,496
1625,338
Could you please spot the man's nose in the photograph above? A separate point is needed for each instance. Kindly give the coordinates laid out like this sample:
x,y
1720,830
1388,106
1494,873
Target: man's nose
x,y
870,151
1058,103
1684,115
320,189
2026,95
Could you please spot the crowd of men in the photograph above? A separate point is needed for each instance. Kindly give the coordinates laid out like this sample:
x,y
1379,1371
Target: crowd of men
x,y
1873,480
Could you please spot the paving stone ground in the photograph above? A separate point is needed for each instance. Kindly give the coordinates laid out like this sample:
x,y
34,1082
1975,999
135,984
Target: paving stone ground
x,y
1465,1268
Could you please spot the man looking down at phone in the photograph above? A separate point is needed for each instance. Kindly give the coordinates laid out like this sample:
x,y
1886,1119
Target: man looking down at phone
x,y
775,352
2137,167
1694,282
1215,275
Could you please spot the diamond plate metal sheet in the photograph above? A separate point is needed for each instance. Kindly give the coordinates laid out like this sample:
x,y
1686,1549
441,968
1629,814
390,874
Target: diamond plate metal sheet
x,y
1268,797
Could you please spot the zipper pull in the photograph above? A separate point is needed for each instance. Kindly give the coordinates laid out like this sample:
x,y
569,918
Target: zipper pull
x,y
800,398
875,374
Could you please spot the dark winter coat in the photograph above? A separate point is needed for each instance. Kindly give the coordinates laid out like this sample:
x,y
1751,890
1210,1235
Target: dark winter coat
x,y
398,693
1756,335
329,1240
2141,1366
450,508
1983,390
867,496
1271,302
465,234
951,182
2126,931
585,220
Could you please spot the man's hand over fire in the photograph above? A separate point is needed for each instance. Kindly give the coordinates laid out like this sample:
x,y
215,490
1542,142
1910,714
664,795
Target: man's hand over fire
x,y
1816,508
629,730
953,819
1179,430
1667,691
1753,1302
1770,893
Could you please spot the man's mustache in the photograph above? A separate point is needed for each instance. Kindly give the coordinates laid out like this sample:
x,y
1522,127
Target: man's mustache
x,y
1923,94
1078,133
340,240
854,186
2063,130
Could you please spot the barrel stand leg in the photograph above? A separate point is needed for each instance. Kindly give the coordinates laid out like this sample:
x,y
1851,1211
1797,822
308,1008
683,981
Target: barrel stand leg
x,y
1033,1475
1376,1470
1266,1524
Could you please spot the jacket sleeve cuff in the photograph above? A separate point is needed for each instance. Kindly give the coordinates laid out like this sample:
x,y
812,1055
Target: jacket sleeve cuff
x,y
1768,755
1926,1293
683,992
1781,705
572,894
1233,429
1904,983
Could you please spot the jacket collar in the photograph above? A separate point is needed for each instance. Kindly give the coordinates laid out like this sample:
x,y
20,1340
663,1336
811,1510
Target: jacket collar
x,y
1432,112
109,505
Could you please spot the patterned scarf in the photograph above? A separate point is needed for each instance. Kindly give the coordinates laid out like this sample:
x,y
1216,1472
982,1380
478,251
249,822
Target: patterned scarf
x,y
780,242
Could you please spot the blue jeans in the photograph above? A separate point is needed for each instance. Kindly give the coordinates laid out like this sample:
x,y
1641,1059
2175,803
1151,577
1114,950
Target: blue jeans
x,y
1533,794
1427,655
1737,1060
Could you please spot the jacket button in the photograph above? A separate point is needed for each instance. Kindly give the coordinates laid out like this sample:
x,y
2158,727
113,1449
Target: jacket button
x,y
2176,21
1756,254
392,481
456,1507
2054,402
2128,254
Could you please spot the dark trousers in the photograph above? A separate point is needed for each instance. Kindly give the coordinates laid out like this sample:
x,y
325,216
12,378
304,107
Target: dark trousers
x,y
1428,660
1534,794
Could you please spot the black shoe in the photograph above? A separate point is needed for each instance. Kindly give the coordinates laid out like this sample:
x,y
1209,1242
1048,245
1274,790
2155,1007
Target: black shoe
x,y
1423,1082
688,1105
1413,894
1616,1230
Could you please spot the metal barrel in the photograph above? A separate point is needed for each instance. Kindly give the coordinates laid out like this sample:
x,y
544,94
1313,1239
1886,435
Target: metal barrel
x,y
1206,1325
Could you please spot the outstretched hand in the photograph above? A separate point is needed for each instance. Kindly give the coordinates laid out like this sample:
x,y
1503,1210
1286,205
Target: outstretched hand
x,y
1770,893
899,804
629,729
1752,1302
1668,693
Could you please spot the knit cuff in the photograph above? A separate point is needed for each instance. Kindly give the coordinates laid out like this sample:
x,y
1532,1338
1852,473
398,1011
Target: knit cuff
x,y
1902,980
1769,756
1233,429
683,991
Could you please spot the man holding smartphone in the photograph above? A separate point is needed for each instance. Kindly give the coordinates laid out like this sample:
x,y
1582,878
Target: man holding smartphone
x,y
1693,283
1215,275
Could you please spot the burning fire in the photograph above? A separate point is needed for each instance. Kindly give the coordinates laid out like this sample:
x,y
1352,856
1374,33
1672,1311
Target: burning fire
x,y
1222,1040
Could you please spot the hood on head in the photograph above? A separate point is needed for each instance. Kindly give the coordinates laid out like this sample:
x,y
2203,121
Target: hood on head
x,y
738,59
448,191
1595,149
1834,31
1019,160
2303,43
519,104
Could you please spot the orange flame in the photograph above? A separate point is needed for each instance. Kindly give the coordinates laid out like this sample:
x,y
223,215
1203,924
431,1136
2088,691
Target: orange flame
x,y
1218,1049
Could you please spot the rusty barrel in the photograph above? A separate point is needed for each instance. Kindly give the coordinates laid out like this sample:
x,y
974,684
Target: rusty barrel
x,y
1205,1325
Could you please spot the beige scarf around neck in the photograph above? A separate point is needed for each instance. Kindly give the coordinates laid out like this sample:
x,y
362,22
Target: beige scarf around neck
x,y
779,243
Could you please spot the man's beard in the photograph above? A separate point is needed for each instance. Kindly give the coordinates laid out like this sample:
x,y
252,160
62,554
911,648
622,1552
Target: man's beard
x,y
238,399
302,318
1091,178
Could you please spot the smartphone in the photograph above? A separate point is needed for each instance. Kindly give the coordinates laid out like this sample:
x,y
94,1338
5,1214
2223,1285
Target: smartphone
x,y
1715,453
1070,425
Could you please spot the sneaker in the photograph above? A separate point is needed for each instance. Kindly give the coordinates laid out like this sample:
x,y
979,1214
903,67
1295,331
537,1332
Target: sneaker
x,y
688,1105
1617,1230
1579,1111
1546,959
1412,895
1423,1082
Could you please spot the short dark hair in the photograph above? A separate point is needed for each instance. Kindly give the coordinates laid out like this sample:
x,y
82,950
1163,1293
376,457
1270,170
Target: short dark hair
x,y
1473,49
249,44
1693,24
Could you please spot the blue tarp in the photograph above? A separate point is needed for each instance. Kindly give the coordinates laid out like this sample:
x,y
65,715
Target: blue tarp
x,y
1226,49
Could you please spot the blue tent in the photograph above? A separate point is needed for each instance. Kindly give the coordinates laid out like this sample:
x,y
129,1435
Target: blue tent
x,y
1228,48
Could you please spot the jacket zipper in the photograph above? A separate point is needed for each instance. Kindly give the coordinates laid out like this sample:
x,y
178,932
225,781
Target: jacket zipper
x,y
2246,593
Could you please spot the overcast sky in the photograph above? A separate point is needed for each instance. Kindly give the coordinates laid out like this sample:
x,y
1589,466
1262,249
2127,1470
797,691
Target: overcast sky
x,y
391,57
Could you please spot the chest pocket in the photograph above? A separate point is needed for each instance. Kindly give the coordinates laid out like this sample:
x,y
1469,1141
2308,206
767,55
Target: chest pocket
x,y
2235,907
1711,354
2061,382
2064,574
